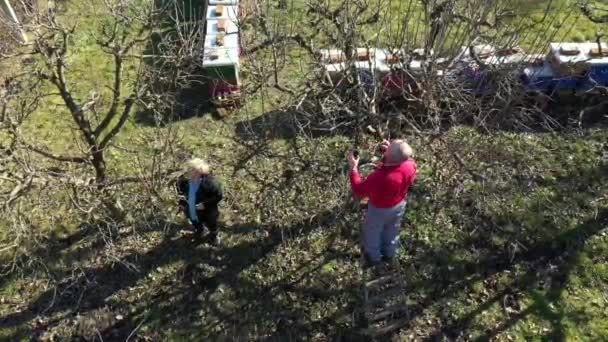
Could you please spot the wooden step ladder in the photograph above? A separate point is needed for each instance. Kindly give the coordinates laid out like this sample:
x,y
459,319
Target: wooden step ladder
x,y
384,310
384,302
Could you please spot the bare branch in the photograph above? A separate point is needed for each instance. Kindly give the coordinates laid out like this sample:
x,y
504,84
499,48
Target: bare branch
x,y
116,94
57,157
126,112
19,190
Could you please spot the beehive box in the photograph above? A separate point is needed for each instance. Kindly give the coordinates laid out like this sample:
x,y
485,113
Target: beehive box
x,y
221,69
221,40
222,12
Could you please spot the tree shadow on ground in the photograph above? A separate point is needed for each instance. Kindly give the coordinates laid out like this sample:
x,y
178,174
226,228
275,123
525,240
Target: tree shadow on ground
x,y
547,258
214,289
287,124
202,300
268,126
184,87
191,102
82,295
547,261
230,298
49,249
81,288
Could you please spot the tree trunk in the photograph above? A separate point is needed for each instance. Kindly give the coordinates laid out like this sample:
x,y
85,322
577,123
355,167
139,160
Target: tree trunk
x,y
99,164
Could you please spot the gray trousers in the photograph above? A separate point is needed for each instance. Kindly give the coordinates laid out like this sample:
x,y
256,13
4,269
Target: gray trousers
x,y
381,231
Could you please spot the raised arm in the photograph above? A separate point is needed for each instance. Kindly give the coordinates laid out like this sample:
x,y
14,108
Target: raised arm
x,y
362,187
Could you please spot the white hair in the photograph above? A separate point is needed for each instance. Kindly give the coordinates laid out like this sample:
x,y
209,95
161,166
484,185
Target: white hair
x,y
399,151
198,165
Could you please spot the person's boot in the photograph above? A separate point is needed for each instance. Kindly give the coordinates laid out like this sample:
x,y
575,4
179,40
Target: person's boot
x,y
213,238
389,260
368,262
199,231
388,263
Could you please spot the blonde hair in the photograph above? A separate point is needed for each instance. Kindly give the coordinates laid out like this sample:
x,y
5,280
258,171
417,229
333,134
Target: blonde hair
x,y
198,165
400,151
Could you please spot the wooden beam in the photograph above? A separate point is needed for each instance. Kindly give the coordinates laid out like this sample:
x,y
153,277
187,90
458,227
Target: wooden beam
x,y
380,281
389,327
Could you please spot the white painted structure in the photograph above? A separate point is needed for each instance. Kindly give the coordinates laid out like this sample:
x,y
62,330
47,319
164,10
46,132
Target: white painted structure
x,y
222,12
215,57
215,27
544,70
221,48
483,52
579,53
223,2
213,41
378,61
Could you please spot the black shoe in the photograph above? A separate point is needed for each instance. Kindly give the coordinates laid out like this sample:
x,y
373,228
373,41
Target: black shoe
x,y
369,263
197,238
213,239
198,228
388,260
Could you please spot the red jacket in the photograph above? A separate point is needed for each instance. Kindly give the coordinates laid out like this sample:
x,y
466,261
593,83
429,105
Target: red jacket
x,y
387,186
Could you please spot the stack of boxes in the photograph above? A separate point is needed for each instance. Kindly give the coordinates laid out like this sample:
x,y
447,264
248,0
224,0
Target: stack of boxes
x,y
481,80
577,67
221,49
382,67
570,67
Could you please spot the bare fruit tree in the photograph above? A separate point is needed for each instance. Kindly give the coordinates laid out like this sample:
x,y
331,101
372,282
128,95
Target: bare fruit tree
x,y
143,54
340,88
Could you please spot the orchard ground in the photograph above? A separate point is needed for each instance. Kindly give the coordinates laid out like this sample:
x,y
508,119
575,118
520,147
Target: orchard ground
x,y
519,255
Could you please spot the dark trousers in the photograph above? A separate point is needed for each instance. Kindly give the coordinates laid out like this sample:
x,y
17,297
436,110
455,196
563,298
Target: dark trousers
x,y
208,217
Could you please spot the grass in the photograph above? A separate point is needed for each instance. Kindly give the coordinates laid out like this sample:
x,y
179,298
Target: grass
x,y
520,256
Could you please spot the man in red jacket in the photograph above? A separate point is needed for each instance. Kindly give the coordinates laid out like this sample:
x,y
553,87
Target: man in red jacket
x,y
386,189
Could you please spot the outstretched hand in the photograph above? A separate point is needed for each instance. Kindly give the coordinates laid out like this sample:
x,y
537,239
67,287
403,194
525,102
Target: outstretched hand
x,y
383,146
353,161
